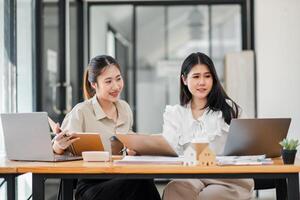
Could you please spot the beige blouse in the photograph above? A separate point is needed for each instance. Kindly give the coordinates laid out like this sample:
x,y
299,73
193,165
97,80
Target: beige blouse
x,y
89,117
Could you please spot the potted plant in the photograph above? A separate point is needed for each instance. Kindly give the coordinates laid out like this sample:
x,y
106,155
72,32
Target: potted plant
x,y
289,150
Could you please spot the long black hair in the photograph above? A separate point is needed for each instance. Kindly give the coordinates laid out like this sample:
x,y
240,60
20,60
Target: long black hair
x,y
216,99
94,69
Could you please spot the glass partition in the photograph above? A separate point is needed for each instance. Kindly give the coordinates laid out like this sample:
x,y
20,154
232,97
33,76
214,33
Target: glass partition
x,y
226,34
112,35
24,56
24,72
165,36
2,97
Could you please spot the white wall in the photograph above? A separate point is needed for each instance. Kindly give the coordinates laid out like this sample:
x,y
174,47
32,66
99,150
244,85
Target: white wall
x,y
277,40
1,74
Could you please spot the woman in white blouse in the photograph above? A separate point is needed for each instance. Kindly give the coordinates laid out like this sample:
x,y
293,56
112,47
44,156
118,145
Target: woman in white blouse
x,y
204,113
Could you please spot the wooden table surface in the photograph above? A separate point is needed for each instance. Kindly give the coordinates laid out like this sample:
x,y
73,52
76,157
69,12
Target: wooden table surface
x,y
6,166
80,167
75,169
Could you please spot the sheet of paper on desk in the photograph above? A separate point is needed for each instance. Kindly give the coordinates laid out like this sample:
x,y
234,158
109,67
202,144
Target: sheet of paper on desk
x,y
244,160
157,160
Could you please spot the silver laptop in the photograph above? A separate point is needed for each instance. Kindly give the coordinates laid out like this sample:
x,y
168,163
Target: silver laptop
x,y
27,137
256,137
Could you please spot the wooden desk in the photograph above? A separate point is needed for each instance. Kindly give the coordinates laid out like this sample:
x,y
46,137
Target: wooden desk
x,y
8,171
97,170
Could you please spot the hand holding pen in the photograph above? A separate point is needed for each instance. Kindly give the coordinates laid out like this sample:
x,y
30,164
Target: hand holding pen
x,y
118,148
129,152
55,127
62,139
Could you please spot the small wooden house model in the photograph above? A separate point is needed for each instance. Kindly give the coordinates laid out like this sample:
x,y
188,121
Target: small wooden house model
x,y
199,154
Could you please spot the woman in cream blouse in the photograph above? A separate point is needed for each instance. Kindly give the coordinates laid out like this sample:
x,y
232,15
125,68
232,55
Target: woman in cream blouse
x,y
105,113
204,113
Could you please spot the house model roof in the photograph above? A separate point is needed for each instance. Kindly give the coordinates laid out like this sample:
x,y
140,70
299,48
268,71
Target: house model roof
x,y
199,147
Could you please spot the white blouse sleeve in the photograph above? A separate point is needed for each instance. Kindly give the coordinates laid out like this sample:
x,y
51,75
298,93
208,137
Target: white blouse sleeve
x,y
73,121
171,126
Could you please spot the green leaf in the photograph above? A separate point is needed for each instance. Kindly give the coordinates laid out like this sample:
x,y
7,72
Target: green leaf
x,y
289,144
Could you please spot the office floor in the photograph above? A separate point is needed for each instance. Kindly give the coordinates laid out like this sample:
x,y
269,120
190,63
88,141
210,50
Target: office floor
x,y
52,188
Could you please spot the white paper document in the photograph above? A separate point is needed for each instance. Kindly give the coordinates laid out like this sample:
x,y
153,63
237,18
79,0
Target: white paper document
x,y
244,160
157,160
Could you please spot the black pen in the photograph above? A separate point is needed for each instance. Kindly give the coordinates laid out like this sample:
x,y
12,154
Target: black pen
x,y
123,150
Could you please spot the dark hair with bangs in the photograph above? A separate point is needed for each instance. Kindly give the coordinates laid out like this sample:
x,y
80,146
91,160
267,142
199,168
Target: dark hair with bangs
x,y
216,99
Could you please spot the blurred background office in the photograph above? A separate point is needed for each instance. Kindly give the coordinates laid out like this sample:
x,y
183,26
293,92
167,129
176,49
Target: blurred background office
x,y
45,46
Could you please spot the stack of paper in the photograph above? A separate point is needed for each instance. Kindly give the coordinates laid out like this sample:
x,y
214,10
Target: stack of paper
x,y
244,160
157,160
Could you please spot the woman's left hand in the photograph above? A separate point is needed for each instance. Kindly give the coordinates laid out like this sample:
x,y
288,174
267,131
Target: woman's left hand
x,y
131,152
57,129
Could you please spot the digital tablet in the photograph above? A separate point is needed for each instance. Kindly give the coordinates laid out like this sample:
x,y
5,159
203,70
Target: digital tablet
x,y
144,144
87,142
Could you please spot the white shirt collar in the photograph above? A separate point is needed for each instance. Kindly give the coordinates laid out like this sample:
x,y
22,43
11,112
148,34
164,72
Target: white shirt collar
x,y
190,115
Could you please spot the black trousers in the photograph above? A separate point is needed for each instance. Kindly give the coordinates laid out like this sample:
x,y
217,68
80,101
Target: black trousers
x,y
116,189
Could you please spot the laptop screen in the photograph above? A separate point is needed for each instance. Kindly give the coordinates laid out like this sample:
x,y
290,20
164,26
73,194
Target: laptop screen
x,y
27,136
256,137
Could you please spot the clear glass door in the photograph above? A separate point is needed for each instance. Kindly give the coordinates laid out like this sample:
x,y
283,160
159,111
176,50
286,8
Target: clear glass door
x,y
51,70
165,36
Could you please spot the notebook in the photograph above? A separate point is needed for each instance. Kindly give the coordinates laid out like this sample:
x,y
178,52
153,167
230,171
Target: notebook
x,y
87,142
143,144
152,160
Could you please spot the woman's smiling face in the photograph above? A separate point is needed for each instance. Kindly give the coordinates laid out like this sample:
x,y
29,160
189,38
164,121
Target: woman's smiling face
x,y
109,84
